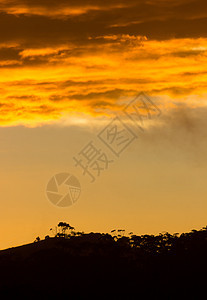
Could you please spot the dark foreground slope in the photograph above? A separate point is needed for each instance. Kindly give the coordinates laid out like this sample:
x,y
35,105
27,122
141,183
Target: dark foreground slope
x,y
97,266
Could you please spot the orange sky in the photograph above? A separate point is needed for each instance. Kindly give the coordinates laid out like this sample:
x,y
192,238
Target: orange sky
x,y
71,65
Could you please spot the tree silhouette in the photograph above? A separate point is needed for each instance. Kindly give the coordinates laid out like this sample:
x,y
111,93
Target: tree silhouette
x,y
64,228
37,239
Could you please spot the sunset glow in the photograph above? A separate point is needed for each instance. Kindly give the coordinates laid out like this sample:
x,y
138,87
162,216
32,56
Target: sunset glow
x,y
66,69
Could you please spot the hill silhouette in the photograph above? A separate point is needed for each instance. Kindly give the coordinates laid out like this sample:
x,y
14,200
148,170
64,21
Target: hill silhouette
x,y
82,266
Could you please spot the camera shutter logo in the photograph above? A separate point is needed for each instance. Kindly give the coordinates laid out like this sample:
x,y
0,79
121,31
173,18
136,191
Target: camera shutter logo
x,y
63,189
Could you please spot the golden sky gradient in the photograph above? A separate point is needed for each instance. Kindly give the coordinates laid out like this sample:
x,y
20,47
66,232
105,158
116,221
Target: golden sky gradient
x,y
71,65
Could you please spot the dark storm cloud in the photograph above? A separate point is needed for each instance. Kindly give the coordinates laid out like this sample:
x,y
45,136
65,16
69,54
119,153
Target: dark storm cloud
x,y
154,19
111,94
11,53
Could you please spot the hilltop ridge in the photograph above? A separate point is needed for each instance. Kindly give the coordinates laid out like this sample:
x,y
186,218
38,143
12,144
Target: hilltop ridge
x,y
95,263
